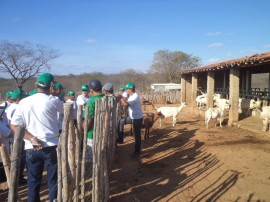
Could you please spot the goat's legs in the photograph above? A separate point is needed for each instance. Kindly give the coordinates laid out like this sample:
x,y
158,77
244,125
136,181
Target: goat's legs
x,y
220,121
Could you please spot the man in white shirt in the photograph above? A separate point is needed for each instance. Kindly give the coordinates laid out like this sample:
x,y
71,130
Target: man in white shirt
x,y
71,99
83,98
38,114
135,117
4,106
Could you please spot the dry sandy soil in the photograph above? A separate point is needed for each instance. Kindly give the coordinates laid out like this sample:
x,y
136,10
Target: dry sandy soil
x,y
191,163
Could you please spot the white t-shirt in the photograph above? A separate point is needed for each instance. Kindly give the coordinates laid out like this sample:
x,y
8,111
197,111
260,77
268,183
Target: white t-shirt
x,y
125,95
74,108
81,100
5,120
135,107
10,111
38,113
4,132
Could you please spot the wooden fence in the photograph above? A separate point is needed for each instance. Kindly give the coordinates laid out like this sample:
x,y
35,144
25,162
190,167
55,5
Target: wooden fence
x,y
71,154
165,97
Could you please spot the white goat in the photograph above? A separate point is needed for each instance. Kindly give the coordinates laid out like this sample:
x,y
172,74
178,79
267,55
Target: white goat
x,y
171,111
265,116
214,113
201,100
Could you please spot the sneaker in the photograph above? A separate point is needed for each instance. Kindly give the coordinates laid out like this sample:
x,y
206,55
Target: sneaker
x,y
22,181
135,154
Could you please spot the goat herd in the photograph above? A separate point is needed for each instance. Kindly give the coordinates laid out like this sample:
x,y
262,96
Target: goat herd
x,y
220,105
244,106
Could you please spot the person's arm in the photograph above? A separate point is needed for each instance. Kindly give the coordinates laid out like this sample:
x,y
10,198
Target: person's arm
x,y
124,102
37,144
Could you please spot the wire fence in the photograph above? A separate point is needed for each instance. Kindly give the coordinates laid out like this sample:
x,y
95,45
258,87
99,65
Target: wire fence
x,y
79,178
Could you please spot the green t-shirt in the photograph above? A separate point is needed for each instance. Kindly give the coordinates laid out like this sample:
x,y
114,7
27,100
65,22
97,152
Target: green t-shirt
x,y
91,113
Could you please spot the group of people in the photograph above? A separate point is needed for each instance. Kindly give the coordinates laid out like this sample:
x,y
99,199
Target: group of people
x,y
41,113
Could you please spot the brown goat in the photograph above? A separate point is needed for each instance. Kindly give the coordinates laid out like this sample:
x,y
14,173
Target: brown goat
x,y
148,121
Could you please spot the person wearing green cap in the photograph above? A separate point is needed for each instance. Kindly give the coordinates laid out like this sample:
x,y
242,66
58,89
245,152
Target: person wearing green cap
x,y
17,96
83,98
38,114
135,117
71,99
4,106
58,92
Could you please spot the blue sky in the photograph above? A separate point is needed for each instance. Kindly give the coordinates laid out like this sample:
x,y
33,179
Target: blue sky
x,y
113,35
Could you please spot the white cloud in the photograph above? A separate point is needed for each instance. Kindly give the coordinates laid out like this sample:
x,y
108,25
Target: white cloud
x,y
90,41
215,45
267,46
214,33
213,60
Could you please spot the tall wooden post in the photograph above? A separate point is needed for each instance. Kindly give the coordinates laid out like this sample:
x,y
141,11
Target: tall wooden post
x,y
84,155
64,152
234,96
78,154
6,161
194,86
183,88
210,89
71,151
15,164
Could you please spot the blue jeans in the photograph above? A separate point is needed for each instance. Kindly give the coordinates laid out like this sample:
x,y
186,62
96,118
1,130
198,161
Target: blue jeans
x,y
137,126
35,160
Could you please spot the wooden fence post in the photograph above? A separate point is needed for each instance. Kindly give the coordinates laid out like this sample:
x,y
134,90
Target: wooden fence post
x,y
71,152
15,164
64,153
78,154
100,168
84,155
6,162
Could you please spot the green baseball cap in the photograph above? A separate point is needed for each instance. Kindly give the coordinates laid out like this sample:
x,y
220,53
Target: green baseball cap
x,y
8,94
18,94
130,85
85,87
122,88
59,86
70,92
33,91
44,80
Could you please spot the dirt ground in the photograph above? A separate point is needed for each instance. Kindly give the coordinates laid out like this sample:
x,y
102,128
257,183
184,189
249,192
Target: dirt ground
x,y
191,163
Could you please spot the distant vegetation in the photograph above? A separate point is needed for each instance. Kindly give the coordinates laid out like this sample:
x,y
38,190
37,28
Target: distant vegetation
x,y
74,82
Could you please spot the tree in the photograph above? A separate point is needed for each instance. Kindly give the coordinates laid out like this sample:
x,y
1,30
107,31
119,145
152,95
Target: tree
x,y
25,60
169,64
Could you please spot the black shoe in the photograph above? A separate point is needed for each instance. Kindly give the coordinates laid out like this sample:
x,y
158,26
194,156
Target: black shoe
x,y
135,154
119,141
22,181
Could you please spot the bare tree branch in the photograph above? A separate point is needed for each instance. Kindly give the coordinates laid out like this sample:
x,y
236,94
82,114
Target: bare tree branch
x,y
25,60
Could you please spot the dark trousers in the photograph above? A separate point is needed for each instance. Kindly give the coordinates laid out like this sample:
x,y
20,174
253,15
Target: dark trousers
x,y
137,126
35,160
22,162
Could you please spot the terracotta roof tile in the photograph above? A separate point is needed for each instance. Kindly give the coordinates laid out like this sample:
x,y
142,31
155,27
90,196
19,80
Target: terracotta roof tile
x,y
262,58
